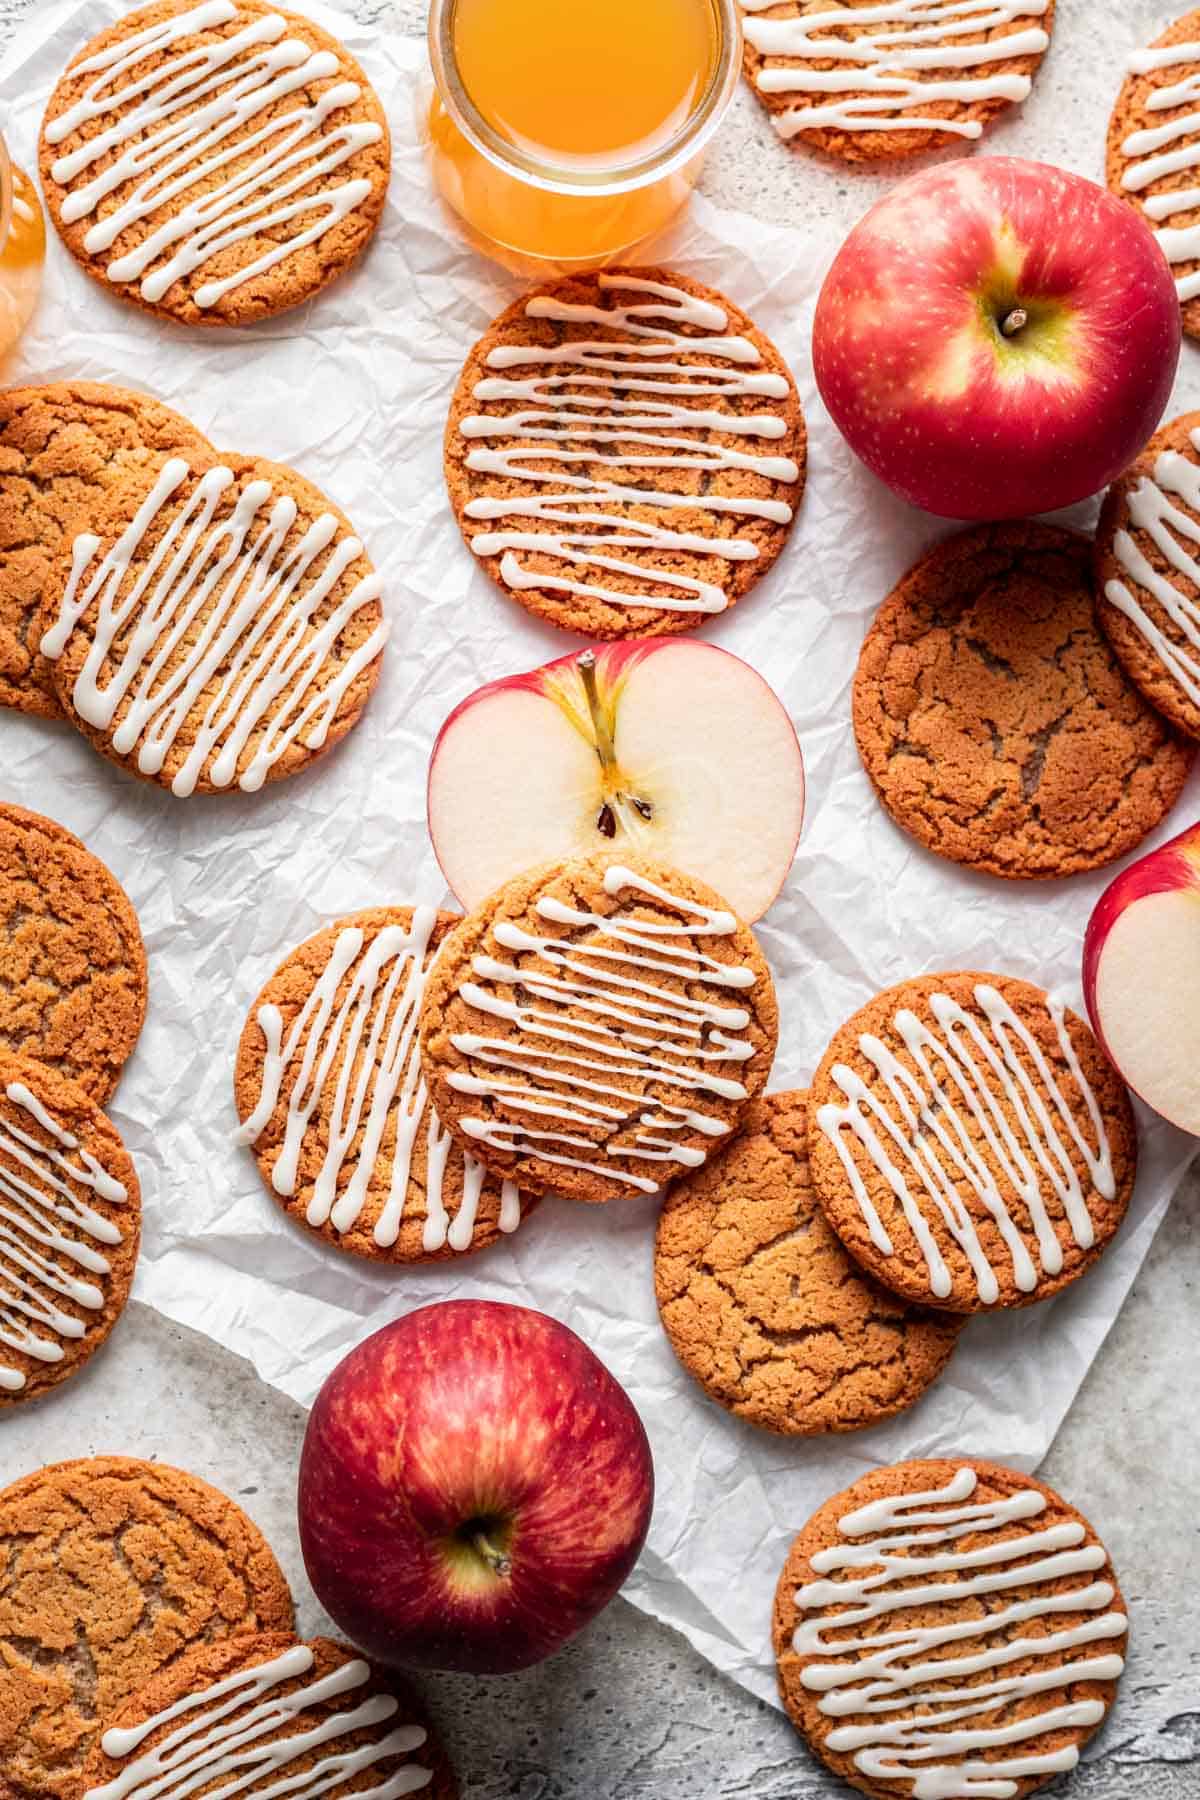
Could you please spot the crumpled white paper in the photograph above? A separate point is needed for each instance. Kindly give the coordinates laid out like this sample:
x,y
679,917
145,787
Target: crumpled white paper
x,y
354,391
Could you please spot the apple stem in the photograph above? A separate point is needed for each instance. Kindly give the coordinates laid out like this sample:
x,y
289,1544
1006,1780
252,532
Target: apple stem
x,y
1014,321
496,1560
605,749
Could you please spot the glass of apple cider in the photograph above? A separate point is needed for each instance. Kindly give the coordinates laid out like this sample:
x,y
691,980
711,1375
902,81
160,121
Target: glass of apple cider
x,y
563,132
22,250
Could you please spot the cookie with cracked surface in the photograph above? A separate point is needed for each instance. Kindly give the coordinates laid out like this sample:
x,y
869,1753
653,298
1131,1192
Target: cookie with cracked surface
x,y
72,961
597,1026
329,1090
70,1227
763,1306
996,724
1148,572
868,81
625,453
971,1144
255,1712
115,1569
276,148
994,1671
1153,151
62,446
254,653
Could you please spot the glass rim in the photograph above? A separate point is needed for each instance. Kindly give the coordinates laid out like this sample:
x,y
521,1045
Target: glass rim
x,y
618,178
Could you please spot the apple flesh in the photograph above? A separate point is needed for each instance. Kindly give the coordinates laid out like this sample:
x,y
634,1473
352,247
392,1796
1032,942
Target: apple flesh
x,y
474,1487
672,749
997,338
1141,977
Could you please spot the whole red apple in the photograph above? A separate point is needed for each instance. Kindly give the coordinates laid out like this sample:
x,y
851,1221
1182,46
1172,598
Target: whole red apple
x,y
997,338
474,1487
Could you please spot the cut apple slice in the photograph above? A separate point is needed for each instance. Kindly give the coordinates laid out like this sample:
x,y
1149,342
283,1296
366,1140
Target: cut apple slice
x,y
1141,977
672,748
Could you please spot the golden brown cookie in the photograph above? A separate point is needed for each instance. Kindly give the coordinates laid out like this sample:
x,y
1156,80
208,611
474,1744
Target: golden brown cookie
x,y
264,1712
62,446
993,719
625,453
115,1568
596,1027
971,1144
70,1226
72,962
329,1091
214,161
215,622
1154,151
1148,572
947,1627
900,78
764,1307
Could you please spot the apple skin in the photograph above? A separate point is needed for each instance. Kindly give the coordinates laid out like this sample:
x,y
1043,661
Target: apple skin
x,y
916,373
471,1410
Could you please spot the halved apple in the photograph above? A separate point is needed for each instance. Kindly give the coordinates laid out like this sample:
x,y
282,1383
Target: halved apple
x,y
672,748
1141,977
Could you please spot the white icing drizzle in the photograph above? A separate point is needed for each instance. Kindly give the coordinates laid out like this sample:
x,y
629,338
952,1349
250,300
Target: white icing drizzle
x,y
531,1070
249,601
642,426
49,1237
1160,152
241,1729
915,57
359,1072
166,132
1154,508
913,1704
911,1127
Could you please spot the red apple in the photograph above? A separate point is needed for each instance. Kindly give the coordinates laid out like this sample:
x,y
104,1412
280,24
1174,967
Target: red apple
x,y
997,338
1141,977
668,747
474,1487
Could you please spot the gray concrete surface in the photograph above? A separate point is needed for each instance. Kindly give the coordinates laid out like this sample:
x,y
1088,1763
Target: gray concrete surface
x,y
630,1712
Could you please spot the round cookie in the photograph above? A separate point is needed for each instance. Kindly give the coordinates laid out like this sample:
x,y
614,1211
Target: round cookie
x,y
575,410
217,623
865,103
997,1670
970,1143
597,1026
115,1569
1148,572
1153,151
993,719
329,1091
72,962
70,1226
263,1712
62,446
214,161
764,1307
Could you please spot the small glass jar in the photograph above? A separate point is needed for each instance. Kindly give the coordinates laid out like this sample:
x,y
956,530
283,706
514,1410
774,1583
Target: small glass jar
x,y
533,214
22,250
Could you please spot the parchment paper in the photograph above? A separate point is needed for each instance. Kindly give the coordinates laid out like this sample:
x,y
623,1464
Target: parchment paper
x,y
354,391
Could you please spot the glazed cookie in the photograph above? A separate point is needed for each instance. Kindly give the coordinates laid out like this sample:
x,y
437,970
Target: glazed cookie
x,y
993,719
625,453
1148,572
72,962
971,1144
1154,151
263,1716
870,80
596,1026
764,1307
948,1627
70,1225
115,1568
217,624
214,162
329,1091
62,447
